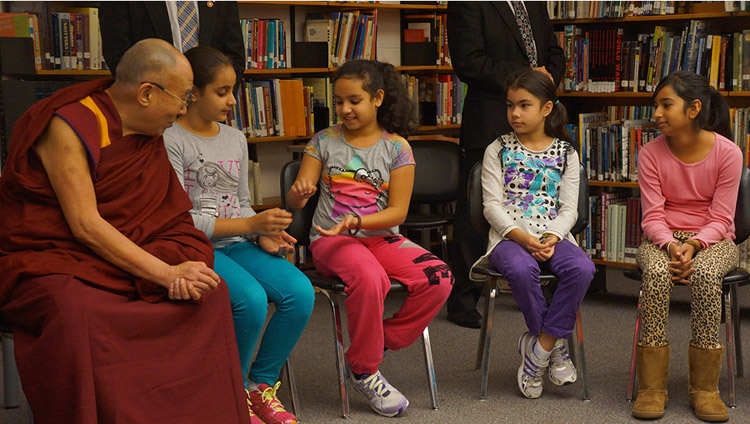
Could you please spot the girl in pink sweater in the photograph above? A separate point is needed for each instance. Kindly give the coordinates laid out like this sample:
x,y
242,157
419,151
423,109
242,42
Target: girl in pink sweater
x,y
689,178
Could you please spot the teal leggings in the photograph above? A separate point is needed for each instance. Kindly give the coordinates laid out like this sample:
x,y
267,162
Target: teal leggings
x,y
255,278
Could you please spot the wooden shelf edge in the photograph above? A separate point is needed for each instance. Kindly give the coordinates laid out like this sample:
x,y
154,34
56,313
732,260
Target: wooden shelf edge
x,y
613,263
646,18
439,127
256,140
348,5
597,183
268,203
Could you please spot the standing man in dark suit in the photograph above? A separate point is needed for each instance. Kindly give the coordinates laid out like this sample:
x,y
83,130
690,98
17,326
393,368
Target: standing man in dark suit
x,y
488,42
123,23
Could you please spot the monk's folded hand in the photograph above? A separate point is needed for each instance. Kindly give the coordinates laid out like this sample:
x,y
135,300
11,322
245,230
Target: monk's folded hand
x,y
197,274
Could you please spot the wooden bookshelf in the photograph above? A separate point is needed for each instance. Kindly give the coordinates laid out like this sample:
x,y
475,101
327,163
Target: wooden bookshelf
x,y
649,18
255,140
618,184
268,203
348,5
614,264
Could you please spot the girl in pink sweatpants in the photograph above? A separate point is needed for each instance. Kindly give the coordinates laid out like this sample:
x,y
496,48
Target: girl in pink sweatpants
x,y
364,169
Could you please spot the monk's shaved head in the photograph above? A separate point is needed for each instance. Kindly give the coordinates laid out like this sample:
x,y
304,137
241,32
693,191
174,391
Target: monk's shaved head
x,y
146,58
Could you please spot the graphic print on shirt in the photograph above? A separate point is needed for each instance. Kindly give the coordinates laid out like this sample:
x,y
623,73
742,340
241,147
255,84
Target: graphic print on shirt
x,y
219,183
532,180
354,189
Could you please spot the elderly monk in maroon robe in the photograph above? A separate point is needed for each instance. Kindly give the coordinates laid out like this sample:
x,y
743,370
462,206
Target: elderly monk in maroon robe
x,y
117,314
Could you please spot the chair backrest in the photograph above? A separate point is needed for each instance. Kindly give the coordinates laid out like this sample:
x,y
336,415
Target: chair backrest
x,y
301,219
437,176
742,212
476,209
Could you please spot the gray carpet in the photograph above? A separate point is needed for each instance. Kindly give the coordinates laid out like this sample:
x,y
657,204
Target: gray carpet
x,y
608,320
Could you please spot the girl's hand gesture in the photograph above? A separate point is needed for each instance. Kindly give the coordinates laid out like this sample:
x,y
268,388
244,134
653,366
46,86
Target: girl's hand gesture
x,y
526,240
303,189
548,250
279,245
270,222
682,261
348,222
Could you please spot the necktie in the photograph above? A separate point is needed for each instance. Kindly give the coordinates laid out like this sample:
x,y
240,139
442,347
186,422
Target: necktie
x,y
522,19
187,18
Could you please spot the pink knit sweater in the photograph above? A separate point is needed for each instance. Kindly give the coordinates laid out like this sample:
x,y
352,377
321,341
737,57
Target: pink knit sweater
x,y
698,197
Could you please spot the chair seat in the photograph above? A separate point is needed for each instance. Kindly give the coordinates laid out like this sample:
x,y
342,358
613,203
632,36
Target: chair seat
x,y
336,285
423,221
491,272
738,276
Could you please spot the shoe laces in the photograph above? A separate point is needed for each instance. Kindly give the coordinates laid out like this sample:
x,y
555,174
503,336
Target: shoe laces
x,y
376,384
559,355
268,396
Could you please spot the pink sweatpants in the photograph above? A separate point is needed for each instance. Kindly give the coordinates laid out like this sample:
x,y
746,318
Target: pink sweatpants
x,y
365,265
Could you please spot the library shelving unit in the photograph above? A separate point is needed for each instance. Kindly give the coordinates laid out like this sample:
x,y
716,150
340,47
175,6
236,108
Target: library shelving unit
x,y
717,21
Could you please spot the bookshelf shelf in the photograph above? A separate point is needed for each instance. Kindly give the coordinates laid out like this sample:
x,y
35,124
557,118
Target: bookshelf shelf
x,y
614,264
286,71
597,183
268,203
439,127
436,68
256,140
674,17
349,5
74,72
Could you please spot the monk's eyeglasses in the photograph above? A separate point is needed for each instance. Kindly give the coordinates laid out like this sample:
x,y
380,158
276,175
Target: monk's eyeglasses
x,y
183,101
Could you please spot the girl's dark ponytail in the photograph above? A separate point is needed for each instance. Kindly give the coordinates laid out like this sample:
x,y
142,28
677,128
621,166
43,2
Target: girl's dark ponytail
x,y
718,114
540,86
397,113
206,63
714,114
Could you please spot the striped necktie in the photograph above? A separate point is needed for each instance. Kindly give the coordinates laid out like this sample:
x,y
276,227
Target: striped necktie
x,y
187,18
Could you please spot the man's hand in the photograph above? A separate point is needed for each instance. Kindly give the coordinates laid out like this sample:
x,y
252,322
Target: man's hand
x,y
190,280
543,70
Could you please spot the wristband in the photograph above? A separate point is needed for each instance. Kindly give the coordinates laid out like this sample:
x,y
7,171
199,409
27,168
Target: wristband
x,y
696,244
667,249
359,223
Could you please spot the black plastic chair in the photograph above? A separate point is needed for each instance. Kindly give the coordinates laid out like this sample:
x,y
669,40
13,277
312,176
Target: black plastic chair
x,y
11,381
730,306
332,288
547,279
437,181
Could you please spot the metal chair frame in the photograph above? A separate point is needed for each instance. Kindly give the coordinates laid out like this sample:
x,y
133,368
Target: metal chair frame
x,y
333,289
496,282
730,306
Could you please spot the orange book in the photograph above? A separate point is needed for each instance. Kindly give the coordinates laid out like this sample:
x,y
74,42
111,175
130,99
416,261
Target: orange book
x,y
14,25
287,106
298,112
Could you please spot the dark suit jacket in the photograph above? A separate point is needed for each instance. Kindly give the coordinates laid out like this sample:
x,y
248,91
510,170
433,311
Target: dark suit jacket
x,y
123,23
486,47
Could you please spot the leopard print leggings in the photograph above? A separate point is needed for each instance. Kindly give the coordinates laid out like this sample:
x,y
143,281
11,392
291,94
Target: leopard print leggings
x,y
710,266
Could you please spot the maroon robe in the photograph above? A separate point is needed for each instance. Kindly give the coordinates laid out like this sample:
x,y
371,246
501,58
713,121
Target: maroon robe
x,y
95,344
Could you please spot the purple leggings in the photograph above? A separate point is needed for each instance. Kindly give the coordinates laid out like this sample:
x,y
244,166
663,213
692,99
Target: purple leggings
x,y
569,263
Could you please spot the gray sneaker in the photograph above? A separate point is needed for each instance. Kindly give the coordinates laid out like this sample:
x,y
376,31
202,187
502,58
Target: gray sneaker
x,y
384,399
561,368
532,368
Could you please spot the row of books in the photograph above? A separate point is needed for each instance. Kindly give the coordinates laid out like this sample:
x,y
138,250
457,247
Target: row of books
x,y
600,60
350,35
265,43
607,9
427,28
275,107
62,40
439,98
614,229
609,150
740,124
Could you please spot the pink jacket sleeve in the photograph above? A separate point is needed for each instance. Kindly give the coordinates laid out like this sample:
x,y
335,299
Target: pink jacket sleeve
x,y
653,223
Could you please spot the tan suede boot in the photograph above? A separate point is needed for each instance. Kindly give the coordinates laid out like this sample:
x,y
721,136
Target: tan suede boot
x,y
705,365
652,365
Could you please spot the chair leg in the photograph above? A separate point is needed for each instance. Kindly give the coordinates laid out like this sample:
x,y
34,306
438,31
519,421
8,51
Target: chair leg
x,y
485,338
444,242
636,336
580,355
11,381
292,387
740,367
731,353
430,365
340,360
483,331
